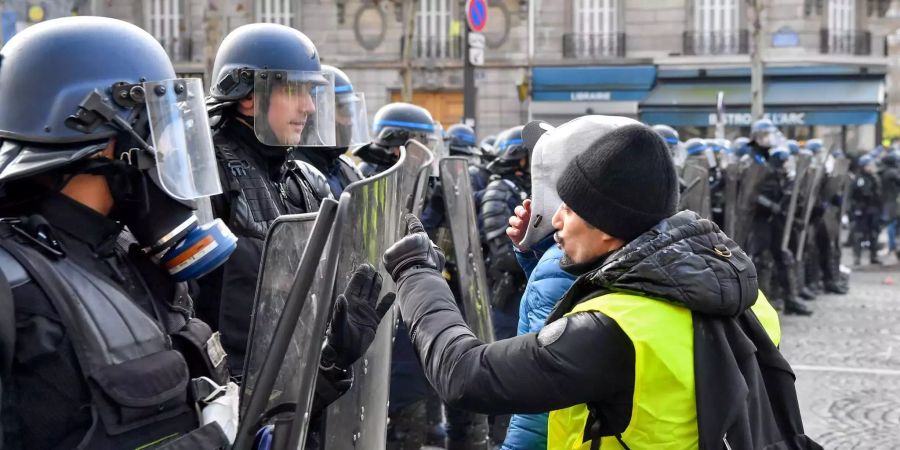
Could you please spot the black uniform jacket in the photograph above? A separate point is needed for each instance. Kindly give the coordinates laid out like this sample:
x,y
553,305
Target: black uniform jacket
x,y
587,358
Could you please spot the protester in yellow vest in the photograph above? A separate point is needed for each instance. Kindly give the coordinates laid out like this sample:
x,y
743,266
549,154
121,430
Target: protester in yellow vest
x,y
663,341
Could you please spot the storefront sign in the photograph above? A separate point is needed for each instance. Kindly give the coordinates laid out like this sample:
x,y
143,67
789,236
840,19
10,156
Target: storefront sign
x,y
581,96
746,119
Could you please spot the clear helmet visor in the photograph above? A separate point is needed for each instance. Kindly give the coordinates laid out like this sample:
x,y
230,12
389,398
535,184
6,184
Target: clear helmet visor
x,y
350,120
293,108
181,139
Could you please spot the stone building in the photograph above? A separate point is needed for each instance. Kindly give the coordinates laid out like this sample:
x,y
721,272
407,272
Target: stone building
x,y
655,60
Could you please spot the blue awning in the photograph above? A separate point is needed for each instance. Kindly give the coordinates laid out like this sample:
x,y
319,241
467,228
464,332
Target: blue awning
x,y
787,102
627,83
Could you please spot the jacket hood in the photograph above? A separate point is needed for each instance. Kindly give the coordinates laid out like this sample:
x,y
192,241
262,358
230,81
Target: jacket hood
x,y
684,260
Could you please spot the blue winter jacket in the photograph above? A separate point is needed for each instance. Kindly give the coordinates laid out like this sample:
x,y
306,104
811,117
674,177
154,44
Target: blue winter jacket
x,y
547,283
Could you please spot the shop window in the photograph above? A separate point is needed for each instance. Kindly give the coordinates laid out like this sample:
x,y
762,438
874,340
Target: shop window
x,y
595,26
165,21
275,11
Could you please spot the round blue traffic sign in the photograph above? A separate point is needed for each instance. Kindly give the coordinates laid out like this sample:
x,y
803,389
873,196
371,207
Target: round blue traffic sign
x,y
476,14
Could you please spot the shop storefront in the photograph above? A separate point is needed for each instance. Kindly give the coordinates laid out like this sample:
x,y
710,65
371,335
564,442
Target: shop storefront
x,y
841,104
560,94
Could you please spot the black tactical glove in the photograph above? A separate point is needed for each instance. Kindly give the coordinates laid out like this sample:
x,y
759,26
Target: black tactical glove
x,y
415,251
355,318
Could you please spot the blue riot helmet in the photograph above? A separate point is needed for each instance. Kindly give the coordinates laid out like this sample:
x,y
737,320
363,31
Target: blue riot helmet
x,y
865,160
461,142
764,134
779,155
668,134
293,98
814,145
351,120
73,87
512,154
695,146
792,146
740,146
392,126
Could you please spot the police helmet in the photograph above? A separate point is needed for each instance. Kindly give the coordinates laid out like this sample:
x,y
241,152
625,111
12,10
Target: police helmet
x,y
779,153
351,118
393,125
740,146
461,140
814,145
764,133
668,134
793,146
267,60
511,150
865,160
69,85
695,146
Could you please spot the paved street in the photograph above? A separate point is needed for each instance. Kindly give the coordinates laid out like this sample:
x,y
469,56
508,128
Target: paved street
x,y
847,361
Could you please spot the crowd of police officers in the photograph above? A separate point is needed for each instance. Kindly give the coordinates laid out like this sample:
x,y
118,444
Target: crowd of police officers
x,y
126,319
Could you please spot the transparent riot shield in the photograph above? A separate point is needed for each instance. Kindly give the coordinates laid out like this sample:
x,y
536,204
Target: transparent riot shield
x,y
696,192
414,185
285,340
369,221
732,183
809,197
459,201
839,185
752,176
801,172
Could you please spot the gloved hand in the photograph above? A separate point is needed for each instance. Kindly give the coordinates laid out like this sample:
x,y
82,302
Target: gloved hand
x,y
355,318
415,250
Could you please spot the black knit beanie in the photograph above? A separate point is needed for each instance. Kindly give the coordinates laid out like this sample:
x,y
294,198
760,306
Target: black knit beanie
x,y
624,183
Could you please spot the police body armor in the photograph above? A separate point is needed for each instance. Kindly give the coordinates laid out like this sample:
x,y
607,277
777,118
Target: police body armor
x,y
139,384
504,274
253,201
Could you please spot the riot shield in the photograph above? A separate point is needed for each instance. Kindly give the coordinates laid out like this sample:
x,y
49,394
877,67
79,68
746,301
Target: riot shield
x,y
460,212
752,176
696,193
809,196
415,185
285,339
801,170
369,221
732,183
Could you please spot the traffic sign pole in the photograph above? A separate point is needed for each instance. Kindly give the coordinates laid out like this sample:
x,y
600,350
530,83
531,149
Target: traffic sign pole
x,y
476,19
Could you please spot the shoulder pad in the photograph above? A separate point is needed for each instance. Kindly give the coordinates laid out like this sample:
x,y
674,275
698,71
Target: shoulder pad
x,y
13,271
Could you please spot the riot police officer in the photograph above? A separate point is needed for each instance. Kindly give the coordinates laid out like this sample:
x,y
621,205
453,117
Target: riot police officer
x,y
461,142
100,348
351,130
673,141
866,206
393,125
271,96
768,220
509,186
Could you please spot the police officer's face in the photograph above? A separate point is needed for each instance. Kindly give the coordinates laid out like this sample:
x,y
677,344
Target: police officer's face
x,y
290,105
580,241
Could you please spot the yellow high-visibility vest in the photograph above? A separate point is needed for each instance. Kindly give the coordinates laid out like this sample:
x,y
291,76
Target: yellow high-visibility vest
x,y
663,412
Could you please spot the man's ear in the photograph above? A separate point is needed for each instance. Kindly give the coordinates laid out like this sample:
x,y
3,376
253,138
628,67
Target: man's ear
x,y
245,105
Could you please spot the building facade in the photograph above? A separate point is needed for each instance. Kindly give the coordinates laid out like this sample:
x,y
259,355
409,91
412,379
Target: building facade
x,y
648,59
